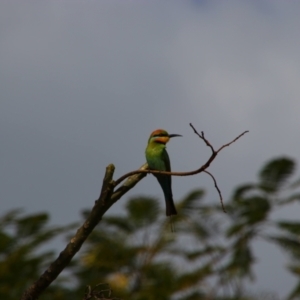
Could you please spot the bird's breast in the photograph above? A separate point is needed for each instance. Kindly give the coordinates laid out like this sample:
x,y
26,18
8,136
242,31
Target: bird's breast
x,y
155,160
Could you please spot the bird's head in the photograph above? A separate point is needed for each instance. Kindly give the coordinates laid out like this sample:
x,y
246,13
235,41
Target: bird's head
x,y
161,136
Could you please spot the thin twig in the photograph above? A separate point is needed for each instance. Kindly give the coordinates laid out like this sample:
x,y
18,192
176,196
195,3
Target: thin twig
x,y
226,145
217,188
201,136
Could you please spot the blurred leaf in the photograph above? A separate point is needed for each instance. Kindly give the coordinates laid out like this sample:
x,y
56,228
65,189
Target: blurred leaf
x,y
292,227
291,199
142,210
242,190
295,294
6,242
235,229
194,296
241,258
32,224
45,236
275,173
120,223
208,255
9,217
188,280
295,269
208,250
197,229
254,209
21,261
292,245
190,202
109,252
295,184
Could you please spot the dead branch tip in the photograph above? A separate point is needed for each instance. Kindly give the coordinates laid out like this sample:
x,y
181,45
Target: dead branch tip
x,y
217,188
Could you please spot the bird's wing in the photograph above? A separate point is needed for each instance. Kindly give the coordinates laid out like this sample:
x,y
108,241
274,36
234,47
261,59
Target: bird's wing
x,y
167,179
166,160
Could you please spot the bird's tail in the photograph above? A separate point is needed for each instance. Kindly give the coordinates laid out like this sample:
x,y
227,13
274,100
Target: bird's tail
x,y
165,183
170,206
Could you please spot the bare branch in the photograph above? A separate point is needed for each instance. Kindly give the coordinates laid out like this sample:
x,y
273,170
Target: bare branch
x,y
106,199
197,171
217,188
226,145
201,136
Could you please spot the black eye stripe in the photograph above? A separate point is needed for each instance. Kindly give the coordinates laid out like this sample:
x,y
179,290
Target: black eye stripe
x,y
159,135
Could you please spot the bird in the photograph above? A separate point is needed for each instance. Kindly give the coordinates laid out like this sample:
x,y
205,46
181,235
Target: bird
x,y
158,159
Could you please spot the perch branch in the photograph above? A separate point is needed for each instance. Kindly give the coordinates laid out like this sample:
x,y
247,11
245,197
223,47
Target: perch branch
x,y
106,199
201,169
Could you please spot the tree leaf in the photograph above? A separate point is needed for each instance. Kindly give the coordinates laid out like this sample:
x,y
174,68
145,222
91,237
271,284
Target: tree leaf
x,y
291,227
292,245
295,184
191,201
10,217
254,209
235,229
142,210
295,294
32,224
242,190
291,199
275,173
120,223
189,279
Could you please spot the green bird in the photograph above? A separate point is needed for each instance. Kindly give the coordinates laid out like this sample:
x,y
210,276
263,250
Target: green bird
x,y
158,159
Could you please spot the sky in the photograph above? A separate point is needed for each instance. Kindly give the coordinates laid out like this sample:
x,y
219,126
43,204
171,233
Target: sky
x,y
84,83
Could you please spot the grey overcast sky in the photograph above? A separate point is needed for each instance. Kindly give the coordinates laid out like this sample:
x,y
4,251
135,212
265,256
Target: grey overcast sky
x,y
84,83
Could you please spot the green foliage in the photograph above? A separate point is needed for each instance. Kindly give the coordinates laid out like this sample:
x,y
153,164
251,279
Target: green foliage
x,y
136,211
200,254
275,174
291,227
21,259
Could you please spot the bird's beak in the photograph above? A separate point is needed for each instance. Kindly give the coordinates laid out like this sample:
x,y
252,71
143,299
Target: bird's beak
x,y
173,135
